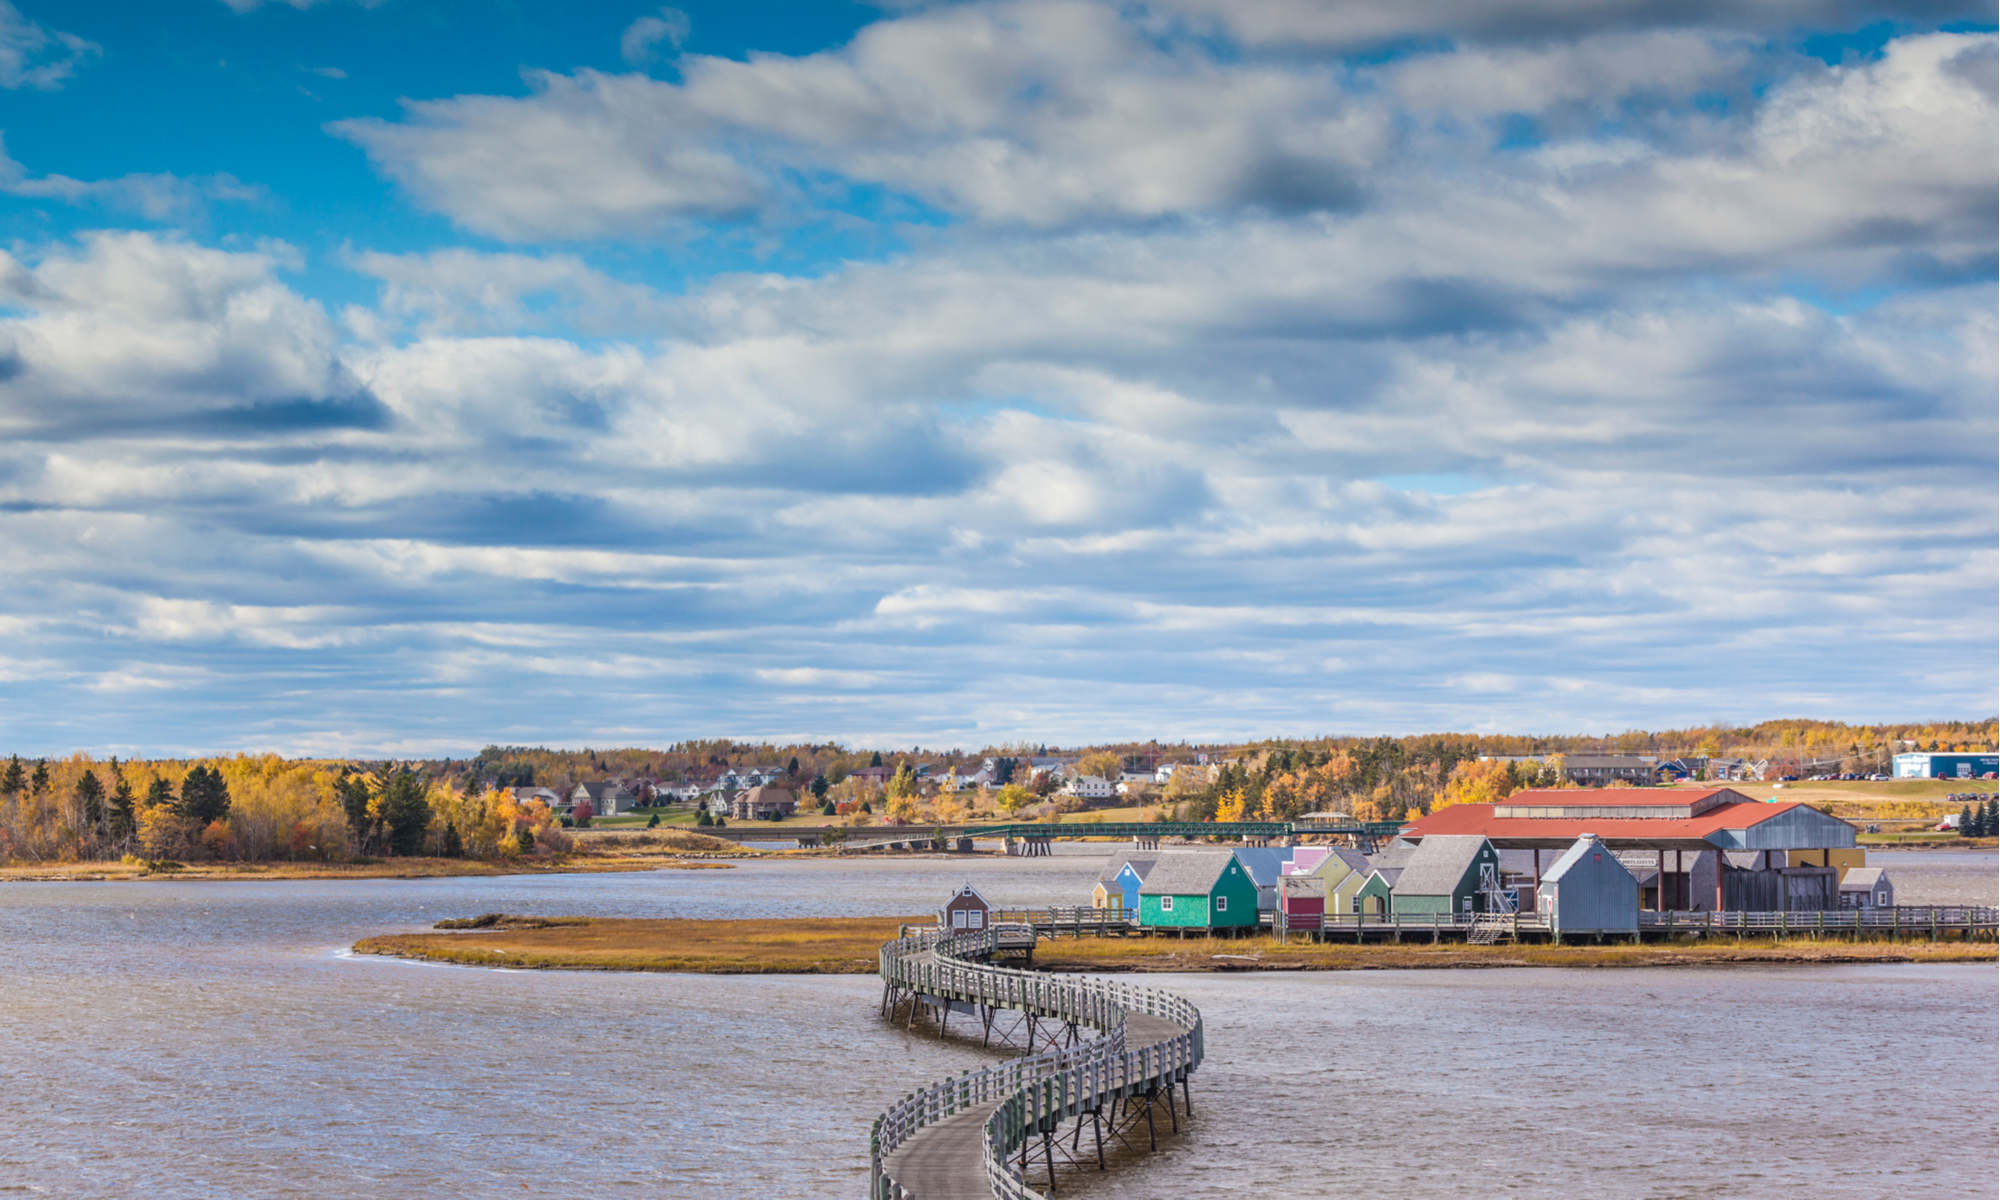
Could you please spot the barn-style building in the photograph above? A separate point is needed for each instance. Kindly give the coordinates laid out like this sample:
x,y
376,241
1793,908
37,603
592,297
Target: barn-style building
x,y
1588,891
1198,889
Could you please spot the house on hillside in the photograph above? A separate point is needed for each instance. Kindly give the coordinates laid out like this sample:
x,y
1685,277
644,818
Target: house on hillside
x,y
1588,891
539,795
606,797
1090,787
765,802
1448,876
1198,889
1118,883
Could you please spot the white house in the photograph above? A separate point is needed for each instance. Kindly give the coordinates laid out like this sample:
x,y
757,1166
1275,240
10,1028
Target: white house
x,y
1090,787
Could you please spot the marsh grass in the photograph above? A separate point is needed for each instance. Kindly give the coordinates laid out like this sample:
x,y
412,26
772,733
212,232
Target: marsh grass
x,y
848,945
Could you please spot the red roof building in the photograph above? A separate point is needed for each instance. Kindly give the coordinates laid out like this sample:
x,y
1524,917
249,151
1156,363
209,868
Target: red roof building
x,y
1700,827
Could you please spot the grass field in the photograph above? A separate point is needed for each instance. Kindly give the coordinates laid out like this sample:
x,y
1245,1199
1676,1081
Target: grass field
x,y
848,946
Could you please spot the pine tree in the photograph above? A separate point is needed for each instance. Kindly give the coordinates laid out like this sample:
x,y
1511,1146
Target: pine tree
x,y
90,798
875,759
453,846
1968,825
120,819
160,792
204,797
39,782
352,791
12,780
405,813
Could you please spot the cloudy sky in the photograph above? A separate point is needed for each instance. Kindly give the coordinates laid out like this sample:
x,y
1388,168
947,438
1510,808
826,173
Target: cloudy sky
x,y
409,375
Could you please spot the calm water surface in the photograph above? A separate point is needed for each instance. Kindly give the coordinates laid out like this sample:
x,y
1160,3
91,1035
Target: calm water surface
x,y
210,1040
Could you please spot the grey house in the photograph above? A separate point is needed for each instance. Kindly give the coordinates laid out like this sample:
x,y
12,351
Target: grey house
x,y
1589,891
1447,875
1867,887
606,797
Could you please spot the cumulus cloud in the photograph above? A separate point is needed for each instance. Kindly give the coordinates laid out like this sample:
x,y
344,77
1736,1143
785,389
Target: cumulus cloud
x,y
157,197
1543,435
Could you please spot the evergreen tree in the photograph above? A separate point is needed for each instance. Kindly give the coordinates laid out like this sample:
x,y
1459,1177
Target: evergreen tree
x,y
653,822
792,767
1989,819
39,781
204,797
875,759
1968,825
406,814
819,786
13,779
524,840
160,792
120,819
453,846
352,792
90,798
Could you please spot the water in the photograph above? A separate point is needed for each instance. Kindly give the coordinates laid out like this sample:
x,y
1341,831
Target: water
x,y
210,1040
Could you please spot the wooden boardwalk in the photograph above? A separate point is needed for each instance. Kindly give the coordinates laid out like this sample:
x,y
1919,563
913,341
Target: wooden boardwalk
x,y
958,1137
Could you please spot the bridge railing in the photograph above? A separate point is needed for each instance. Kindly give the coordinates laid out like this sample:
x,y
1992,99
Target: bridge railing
x,y
1040,1087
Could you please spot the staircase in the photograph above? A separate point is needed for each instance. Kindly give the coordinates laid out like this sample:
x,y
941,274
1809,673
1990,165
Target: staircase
x,y
1497,923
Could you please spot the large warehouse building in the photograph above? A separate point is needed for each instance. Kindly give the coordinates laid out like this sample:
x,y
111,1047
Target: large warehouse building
x,y
1705,849
1946,766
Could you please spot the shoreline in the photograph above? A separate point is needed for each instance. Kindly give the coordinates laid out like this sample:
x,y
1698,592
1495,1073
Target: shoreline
x,y
849,945
396,868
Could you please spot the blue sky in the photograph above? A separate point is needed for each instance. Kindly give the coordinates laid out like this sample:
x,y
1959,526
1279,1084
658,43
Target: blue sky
x,y
399,377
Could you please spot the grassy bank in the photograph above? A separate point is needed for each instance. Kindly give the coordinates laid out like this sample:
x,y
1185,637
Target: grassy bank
x,y
656,850
847,946
833,946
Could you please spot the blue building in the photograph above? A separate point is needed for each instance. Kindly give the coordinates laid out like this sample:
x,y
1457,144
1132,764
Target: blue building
x,y
1118,884
1945,766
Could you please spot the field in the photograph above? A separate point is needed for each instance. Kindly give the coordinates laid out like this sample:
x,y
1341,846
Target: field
x,y
848,945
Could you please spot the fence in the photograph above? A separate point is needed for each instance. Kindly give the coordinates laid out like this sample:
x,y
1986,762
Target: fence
x,y
1028,1093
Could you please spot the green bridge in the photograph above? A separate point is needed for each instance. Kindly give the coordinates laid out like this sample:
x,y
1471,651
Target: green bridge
x,y
1035,836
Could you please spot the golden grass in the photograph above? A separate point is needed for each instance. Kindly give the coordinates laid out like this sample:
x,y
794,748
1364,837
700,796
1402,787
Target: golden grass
x,y
1265,953
831,946
848,945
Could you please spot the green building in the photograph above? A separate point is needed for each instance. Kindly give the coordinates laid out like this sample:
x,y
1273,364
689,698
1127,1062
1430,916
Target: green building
x,y
1446,875
1198,889
1372,896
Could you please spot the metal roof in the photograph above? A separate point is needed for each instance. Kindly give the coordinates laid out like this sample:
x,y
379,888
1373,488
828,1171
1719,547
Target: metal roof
x,y
1861,879
1436,866
1586,846
1141,864
1693,833
1186,873
1636,797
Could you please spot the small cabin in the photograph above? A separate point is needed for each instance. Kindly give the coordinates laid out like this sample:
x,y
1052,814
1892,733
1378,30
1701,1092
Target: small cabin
x,y
1867,887
1301,901
966,911
1198,889
1588,891
1448,875
1118,884
1376,892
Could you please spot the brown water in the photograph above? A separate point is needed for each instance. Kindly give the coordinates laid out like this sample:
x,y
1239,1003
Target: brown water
x,y
210,1040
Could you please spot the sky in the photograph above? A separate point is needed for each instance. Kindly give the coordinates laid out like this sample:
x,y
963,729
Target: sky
x,y
406,376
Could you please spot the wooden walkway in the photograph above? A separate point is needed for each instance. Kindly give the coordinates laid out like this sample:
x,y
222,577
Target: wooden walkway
x,y
957,1138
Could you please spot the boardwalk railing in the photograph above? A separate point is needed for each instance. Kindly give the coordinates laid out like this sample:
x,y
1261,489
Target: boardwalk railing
x,y
1035,1091
1903,918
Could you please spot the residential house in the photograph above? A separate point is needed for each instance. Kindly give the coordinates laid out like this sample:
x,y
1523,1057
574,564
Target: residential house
x,y
966,912
1090,787
765,802
606,797
1607,770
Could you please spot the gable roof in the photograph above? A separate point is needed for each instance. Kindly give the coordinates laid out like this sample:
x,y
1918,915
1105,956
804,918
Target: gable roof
x,y
966,891
1579,854
1861,879
1141,865
1264,863
1395,854
1436,866
768,793
1186,873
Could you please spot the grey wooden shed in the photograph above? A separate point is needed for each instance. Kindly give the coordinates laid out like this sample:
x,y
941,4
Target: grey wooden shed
x,y
1588,891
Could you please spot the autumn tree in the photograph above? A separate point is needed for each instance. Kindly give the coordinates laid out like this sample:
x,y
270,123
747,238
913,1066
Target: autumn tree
x,y
1475,782
1231,806
1013,798
1101,763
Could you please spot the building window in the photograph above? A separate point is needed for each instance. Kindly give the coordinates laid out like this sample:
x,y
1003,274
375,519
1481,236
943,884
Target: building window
x,y
1222,904
1166,904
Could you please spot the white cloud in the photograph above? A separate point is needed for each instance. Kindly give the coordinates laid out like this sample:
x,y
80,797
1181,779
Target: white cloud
x,y
157,197
640,42
33,56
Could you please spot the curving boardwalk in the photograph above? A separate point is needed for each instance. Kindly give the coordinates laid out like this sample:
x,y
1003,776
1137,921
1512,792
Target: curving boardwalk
x,y
955,1139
